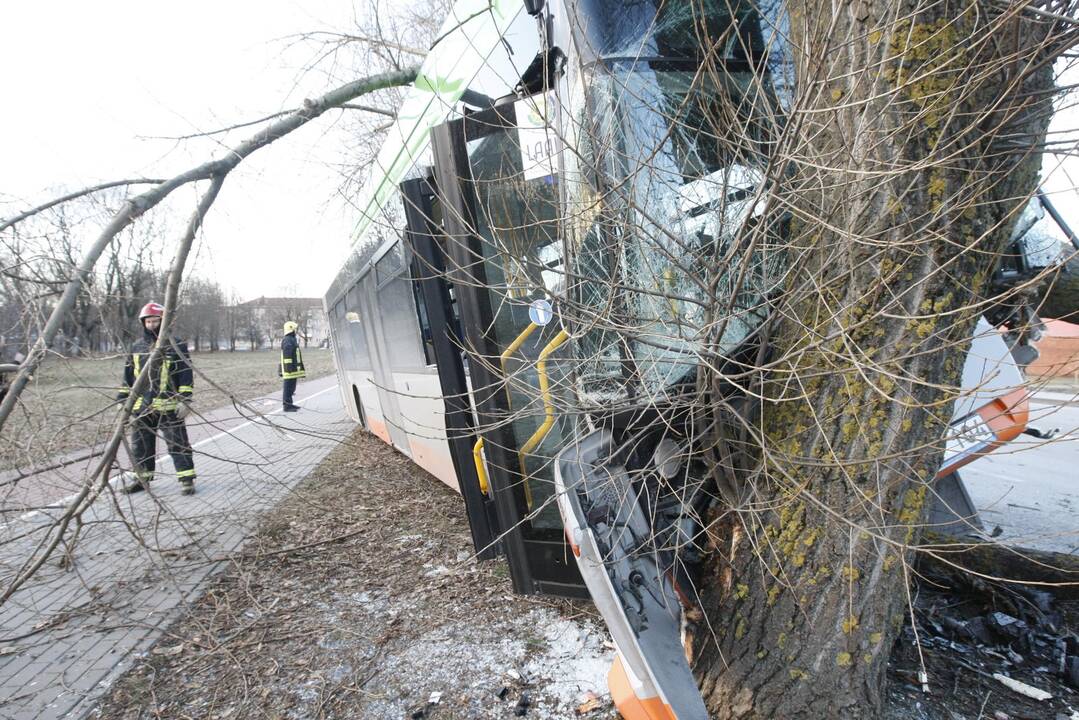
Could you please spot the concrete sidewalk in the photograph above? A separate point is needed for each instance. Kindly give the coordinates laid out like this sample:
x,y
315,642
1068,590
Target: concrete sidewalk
x,y
71,630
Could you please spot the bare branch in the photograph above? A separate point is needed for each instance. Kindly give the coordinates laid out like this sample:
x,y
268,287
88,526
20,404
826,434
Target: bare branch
x,y
5,224
370,108
343,38
212,169
259,121
219,131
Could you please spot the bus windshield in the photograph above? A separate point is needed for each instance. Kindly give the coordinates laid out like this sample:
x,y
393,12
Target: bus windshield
x,y
674,247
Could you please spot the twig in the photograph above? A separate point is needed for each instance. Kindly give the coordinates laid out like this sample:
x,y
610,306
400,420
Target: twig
x,y
5,224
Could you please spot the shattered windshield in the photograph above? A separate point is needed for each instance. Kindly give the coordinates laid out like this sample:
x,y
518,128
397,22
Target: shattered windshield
x,y
674,248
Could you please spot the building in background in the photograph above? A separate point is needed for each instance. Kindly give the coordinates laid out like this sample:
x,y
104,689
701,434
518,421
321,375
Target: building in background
x,y
1058,351
263,317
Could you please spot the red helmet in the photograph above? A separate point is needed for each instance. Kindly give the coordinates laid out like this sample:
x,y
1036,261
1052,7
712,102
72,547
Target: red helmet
x,y
151,309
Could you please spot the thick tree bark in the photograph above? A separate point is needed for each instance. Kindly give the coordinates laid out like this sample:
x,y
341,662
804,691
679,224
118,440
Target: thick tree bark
x,y
911,148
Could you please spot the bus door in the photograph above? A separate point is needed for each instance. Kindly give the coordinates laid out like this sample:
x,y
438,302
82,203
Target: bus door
x,y
499,201
380,365
428,270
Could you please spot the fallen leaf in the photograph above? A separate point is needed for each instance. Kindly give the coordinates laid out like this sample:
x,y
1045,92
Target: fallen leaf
x,y
169,651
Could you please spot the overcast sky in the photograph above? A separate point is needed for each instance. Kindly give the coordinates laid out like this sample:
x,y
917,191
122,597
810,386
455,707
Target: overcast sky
x,y
84,83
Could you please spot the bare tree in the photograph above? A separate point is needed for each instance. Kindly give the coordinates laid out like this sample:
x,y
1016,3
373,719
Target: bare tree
x,y
913,145
139,204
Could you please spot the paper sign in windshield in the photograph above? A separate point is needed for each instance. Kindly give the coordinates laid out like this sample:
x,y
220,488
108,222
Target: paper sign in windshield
x,y
539,144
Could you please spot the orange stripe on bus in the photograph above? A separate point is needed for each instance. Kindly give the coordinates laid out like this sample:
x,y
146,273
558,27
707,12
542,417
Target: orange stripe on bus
x,y
378,428
627,702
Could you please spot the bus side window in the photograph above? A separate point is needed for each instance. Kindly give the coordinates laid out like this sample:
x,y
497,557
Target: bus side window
x,y
425,325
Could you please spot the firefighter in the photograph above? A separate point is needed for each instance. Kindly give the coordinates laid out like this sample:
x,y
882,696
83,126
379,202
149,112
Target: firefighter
x,y
162,406
291,367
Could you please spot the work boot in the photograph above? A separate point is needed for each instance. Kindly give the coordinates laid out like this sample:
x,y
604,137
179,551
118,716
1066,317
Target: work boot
x,y
187,486
132,484
291,408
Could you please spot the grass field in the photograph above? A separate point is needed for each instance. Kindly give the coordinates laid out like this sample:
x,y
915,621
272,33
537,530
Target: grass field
x,y
69,404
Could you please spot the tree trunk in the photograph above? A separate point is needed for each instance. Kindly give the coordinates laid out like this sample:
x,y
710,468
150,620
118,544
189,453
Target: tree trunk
x,y
902,175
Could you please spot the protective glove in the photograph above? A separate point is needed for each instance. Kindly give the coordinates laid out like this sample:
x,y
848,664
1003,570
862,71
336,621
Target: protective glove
x,y
183,409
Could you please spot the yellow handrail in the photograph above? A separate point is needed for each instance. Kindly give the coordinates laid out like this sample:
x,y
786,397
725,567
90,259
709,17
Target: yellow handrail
x,y
515,345
548,409
481,469
477,449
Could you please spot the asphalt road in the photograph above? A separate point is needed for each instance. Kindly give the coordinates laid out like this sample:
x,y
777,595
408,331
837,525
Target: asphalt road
x,y
1030,488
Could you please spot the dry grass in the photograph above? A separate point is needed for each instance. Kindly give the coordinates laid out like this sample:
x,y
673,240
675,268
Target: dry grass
x,y
358,598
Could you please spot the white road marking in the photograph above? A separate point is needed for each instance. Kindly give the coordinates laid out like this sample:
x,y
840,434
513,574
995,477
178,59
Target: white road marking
x,y
63,502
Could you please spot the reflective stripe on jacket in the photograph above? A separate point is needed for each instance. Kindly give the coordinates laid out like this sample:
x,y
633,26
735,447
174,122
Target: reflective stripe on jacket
x,y
291,358
169,383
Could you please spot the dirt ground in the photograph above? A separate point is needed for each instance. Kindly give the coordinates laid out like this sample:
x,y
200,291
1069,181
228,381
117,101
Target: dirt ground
x,y
358,598
61,410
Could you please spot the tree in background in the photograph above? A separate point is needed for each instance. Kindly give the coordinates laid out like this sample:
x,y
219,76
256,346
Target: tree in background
x,y
104,316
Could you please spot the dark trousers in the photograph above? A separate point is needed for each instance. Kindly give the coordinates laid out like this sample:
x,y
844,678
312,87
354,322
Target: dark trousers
x,y
144,444
288,387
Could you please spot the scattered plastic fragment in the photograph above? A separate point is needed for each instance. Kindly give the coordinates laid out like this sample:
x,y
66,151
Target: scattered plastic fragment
x,y
1006,624
1022,688
522,705
591,702
169,651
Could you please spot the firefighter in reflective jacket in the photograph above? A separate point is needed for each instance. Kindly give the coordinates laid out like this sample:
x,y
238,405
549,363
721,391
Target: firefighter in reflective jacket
x,y
162,406
291,368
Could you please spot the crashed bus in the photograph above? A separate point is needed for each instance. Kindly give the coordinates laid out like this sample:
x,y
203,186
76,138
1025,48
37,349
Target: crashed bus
x,y
509,204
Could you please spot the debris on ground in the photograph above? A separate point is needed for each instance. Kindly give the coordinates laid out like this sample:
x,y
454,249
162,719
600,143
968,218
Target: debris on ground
x,y
590,702
1022,688
360,597
988,649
